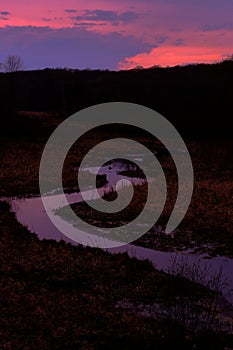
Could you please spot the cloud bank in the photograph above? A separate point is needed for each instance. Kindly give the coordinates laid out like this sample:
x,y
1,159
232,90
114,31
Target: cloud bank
x,y
42,47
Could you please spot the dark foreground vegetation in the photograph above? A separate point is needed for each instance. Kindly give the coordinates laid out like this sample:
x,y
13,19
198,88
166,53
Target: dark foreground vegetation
x,y
56,296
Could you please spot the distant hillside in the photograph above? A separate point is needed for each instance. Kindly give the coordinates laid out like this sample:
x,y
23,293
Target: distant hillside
x,y
197,99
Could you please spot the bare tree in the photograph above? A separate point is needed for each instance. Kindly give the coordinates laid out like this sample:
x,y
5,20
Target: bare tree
x,y
13,63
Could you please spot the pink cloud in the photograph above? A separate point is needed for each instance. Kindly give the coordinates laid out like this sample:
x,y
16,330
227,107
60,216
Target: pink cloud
x,y
172,56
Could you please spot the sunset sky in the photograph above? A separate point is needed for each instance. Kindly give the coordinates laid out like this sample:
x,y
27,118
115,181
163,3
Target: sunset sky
x,y
115,34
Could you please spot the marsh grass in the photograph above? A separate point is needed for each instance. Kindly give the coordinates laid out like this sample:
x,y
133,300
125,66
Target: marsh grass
x,y
19,168
205,316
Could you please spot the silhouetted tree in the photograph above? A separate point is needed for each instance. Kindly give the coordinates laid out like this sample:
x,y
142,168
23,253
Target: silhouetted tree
x,y
13,63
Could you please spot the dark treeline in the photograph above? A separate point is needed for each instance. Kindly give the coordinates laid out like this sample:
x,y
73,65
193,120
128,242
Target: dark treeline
x,y
197,99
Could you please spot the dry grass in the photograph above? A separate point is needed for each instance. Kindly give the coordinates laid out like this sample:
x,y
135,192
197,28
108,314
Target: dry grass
x,y
19,168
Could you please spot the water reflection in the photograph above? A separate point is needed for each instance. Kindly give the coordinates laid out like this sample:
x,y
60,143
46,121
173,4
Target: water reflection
x,y
30,212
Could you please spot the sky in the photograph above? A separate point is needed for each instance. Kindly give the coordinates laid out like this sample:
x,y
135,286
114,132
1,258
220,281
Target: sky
x,y
115,35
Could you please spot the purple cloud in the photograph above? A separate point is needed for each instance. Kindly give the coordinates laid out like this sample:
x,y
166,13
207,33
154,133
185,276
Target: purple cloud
x,y
160,39
108,16
179,42
88,24
211,27
5,13
70,10
46,19
42,47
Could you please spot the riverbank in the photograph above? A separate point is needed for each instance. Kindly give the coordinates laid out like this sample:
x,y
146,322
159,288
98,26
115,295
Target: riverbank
x,y
56,296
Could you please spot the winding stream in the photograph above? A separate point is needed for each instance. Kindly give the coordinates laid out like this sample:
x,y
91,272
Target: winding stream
x,y
30,212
